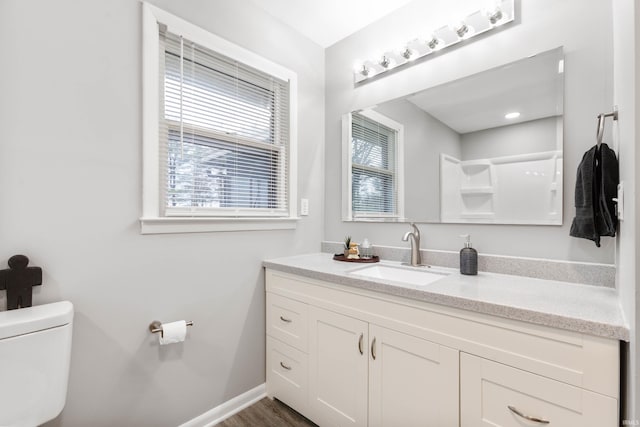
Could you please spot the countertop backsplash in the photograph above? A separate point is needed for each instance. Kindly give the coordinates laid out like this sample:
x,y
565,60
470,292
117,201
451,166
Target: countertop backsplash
x,y
564,271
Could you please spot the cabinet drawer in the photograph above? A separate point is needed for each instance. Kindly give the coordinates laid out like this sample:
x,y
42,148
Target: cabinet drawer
x,y
287,370
488,390
287,321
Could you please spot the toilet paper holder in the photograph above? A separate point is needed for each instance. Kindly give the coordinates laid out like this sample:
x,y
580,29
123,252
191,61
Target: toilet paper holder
x,y
156,326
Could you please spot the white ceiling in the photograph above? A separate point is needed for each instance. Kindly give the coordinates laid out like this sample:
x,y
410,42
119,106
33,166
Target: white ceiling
x,y
328,21
532,86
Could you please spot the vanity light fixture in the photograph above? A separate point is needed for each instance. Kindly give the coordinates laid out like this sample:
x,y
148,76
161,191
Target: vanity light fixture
x,y
434,44
393,58
462,31
496,16
446,36
472,25
418,48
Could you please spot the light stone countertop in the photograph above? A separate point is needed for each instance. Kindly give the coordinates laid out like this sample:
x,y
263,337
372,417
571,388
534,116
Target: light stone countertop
x,y
593,310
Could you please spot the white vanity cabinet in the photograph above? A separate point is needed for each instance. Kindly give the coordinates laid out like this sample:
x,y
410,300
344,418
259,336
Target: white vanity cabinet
x,y
412,381
287,354
344,356
338,373
363,374
493,394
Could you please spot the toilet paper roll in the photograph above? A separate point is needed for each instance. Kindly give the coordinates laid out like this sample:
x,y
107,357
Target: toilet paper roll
x,y
173,332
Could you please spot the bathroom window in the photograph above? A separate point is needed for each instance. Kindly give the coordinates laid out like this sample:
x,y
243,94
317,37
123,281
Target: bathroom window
x,y
223,144
375,147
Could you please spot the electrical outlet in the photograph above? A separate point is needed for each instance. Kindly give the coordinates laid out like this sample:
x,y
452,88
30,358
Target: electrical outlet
x,y
304,207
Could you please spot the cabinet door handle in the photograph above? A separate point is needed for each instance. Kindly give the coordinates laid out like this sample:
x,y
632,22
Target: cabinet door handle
x,y
527,417
288,368
284,319
373,348
360,343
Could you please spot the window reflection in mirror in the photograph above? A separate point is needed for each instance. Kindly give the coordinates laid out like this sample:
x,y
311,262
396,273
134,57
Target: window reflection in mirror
x,y
375,169
484,149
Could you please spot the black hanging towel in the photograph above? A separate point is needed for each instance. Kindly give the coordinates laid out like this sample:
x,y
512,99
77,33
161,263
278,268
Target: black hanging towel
x,y
596,187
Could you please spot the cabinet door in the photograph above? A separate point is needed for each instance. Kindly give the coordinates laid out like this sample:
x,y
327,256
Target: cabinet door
x,y
338,369
412,382
496,395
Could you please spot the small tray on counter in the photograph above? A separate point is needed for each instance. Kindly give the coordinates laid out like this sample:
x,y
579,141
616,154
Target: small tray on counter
x,y
341,257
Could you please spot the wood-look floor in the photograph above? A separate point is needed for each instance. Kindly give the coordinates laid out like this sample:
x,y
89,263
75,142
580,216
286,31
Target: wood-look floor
x,y
267,413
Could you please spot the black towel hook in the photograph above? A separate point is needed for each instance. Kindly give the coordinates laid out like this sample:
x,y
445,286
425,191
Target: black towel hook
x,y
601,121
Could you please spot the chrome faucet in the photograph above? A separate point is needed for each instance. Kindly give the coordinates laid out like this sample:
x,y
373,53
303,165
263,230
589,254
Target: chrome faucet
x,y
414,238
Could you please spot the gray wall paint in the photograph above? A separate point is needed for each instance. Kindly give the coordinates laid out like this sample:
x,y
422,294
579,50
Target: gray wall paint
x,y
70,167
527,137
425,138
541,25
626,18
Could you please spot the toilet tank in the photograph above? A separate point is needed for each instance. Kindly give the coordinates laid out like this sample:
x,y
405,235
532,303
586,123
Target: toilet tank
x,y
35,351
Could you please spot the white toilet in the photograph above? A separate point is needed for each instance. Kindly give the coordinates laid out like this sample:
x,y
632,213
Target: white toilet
x,y
35,351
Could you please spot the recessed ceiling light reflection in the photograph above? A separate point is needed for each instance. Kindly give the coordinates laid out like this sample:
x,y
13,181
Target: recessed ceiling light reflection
x,y
513,115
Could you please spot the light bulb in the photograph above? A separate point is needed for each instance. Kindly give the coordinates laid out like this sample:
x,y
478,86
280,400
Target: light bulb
x,y
462,30
495,17
434,44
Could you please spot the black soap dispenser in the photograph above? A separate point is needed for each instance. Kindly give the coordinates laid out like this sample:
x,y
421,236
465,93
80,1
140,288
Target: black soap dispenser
x,y
468,258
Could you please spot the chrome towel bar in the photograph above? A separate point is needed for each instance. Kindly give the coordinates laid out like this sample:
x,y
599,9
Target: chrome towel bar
x,y
601,119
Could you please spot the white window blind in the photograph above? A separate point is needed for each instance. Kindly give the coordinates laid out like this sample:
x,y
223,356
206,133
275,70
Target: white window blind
x,y
374,168
224,135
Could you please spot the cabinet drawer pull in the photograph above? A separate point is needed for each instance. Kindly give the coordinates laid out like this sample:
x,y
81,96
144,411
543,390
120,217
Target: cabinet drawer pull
x,y
284,319
527,417
288,368
373,348
360,343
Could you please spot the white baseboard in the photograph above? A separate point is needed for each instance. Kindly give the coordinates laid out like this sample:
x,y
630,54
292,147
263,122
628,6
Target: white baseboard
x,y
228,408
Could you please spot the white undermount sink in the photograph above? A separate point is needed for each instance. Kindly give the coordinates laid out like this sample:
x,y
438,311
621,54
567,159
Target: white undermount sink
x,y
411,275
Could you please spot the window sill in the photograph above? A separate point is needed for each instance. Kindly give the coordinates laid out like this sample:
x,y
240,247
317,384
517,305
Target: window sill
x,y
208,225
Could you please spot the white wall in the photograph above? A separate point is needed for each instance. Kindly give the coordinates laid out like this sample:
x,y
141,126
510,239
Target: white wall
x,y
534,136
70,169
626,19
585,31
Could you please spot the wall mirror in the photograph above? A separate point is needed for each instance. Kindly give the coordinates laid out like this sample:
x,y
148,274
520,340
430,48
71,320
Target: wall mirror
x,y
486,148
